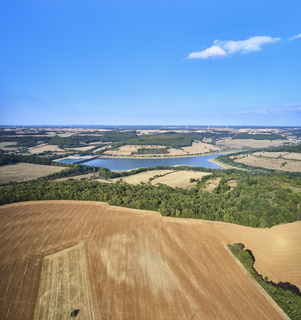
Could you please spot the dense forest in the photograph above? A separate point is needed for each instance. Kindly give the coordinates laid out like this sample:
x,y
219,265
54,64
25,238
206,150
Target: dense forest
x,y
259,136
174,140
257,200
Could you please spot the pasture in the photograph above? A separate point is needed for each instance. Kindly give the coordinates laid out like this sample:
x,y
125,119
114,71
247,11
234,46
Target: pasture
x,y
117,263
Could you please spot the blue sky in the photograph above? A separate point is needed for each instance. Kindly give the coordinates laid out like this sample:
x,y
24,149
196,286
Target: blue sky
x,y
202,62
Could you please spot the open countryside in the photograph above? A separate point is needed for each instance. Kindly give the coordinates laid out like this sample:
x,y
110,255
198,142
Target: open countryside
x,y
139,265
107,244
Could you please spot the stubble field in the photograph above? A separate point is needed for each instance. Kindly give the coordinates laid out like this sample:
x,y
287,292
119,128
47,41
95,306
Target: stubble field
x,y
25,171
282,164
106,262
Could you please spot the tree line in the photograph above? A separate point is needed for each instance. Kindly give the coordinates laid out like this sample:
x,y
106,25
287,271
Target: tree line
x,y
257,200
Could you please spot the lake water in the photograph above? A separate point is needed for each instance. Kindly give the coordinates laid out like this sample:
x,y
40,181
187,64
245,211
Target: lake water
x,y
74,160
122,164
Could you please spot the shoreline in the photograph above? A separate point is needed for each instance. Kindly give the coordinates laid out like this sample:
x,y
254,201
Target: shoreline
x,y
162,157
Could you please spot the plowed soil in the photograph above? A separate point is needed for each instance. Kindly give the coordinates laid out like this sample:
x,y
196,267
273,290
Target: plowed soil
x,y
130,264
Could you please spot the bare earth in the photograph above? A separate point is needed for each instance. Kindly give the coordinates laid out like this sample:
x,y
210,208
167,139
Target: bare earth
x,y
271,163
25,171
55,255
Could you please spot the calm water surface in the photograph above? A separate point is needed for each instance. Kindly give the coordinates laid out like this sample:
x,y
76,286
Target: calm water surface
x,y
122,164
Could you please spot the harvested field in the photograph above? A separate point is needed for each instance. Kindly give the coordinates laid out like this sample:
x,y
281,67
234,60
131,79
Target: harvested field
x,y
135,264
283,155
4,144
201,147
271,163
180,179
196,148
276,250
64,286
293,155
25,172
129,149
250,143
47,147
143,176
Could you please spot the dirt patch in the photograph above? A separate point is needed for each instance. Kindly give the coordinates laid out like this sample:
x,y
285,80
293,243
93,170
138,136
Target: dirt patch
x,y
232,183
139,265
25,172
180,179
211,184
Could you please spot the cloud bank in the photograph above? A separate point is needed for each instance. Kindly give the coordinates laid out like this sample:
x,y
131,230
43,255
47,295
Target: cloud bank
x,y
222,49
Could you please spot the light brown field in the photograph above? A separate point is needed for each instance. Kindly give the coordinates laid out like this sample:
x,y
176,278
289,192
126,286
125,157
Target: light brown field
x,y
211,184
271,163
47,147
64,285
180,179
283,155
143,176
135,264
250,143
201,147
129,149
196,148
25,171
4,144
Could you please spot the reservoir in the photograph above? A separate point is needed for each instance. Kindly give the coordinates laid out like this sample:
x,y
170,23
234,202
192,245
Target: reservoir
x,y
122,164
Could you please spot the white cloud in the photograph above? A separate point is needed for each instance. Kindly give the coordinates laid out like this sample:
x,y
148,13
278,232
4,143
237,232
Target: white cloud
x,y
295,37
212,52
227,48
245,46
